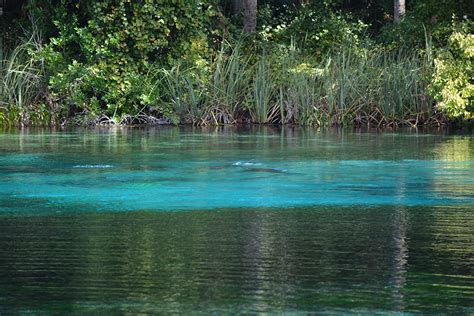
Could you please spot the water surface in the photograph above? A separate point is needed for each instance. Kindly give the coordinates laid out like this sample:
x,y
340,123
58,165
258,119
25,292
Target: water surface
x,y
236,219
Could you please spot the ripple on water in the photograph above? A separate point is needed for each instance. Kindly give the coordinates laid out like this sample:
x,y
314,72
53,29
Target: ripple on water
x,y
335,259
92,166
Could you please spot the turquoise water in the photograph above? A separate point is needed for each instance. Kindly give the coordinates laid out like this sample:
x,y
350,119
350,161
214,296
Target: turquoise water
x,y
236,219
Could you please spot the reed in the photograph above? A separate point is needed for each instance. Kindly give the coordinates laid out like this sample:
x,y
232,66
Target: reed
x,y
369,88
364,87
186,94
230,84
260,106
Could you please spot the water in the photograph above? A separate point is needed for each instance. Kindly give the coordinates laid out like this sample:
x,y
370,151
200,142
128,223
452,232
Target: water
x,y
236,219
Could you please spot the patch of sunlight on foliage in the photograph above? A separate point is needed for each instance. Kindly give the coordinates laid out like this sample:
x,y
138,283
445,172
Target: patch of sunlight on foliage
x,y
307,69
453,81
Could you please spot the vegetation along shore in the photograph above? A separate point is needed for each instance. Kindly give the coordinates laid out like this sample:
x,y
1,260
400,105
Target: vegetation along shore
x,y
321,63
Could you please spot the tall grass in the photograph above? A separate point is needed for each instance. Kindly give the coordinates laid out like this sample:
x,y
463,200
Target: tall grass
x,y
186,94
231,81
382,88
21,79
364,87
260,103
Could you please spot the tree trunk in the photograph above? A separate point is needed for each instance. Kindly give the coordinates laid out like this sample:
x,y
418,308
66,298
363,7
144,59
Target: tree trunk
x,y
2,32
237,6
398,10
250,15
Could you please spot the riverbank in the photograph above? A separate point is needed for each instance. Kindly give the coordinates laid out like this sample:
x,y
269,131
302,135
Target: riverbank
x,y
348,88
248,79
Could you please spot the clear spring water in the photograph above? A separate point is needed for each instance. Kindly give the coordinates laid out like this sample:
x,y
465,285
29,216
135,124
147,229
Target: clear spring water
x,y
236,219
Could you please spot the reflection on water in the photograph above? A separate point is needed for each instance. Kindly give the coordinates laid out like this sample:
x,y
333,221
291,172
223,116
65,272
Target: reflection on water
x,y
456,155
318,259
278,220
455,149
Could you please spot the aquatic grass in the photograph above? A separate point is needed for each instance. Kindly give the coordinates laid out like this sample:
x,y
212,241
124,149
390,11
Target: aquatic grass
x,y
367,87
300,98
261,108
186,94
230,83
381,88
405,86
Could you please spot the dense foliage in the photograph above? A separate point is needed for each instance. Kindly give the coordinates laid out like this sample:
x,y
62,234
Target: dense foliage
x,y
426,17
314,62
316,30
100,56
453,80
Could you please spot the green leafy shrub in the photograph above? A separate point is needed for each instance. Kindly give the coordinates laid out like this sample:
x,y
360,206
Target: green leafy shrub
x,y
100,52
318,30
453,81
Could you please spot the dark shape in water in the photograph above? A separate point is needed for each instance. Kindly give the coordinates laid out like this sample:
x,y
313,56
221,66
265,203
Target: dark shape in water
x,y
217,167
270,170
